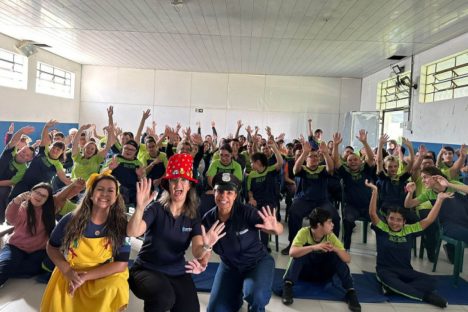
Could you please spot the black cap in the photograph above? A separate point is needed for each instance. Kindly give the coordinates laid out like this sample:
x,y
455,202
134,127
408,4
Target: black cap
x,y
133,143
226,182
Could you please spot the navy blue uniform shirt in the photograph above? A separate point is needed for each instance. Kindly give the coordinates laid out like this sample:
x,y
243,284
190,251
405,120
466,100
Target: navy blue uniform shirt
x,y
392,191
394,248
355,191
241,248
166,240
312,184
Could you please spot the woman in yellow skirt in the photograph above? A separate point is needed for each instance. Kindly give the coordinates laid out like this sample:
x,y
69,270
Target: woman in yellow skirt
x,y
90,250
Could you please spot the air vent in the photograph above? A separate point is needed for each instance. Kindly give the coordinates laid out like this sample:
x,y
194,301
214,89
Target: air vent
x,y
396,57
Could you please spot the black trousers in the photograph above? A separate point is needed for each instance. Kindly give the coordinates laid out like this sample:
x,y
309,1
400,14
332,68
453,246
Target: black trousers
x,y
162,292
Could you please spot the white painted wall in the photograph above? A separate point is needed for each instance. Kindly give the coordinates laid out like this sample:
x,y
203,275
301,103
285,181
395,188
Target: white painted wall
x,y
437,122
27,105
284,103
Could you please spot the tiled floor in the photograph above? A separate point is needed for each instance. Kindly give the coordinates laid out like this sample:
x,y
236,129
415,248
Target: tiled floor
x,y
24,295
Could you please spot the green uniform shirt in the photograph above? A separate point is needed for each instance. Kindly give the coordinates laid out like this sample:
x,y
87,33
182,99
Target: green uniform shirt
x,y
84,167
217,167
304,238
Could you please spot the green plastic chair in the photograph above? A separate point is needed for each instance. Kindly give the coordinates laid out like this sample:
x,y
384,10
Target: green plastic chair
x,y
458,257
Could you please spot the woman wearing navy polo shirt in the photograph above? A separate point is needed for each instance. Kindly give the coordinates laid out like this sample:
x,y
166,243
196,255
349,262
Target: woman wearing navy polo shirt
x,y
159,276
246,268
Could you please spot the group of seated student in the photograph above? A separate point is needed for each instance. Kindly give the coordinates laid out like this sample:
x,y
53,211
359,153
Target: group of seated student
x,y
222,195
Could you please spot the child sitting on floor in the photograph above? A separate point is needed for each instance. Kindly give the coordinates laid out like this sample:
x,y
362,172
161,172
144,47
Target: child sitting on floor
x,y
394,242
317,255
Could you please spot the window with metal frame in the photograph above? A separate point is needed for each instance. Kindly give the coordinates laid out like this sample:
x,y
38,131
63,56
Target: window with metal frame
x,y
55,81
13,70
392,94
445,79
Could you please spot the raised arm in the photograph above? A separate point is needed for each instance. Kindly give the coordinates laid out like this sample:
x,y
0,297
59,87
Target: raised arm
x,y
144,116
411,202
409,145
68,192
323,148
239,126
439,157
300,161
17,136
446,183
111,138
415,173
279,158
441,197
9,133
373,202
310,133
362,137
337,139
95,134
76,139
45,139
382,141
454,171
136,225
248,129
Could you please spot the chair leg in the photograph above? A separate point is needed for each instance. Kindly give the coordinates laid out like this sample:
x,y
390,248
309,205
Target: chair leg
x,y
421,247
436,256
456,264
463,245
276,243
364,232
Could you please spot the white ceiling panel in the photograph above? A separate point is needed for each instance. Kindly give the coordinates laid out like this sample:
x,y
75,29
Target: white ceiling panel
x,y
336,38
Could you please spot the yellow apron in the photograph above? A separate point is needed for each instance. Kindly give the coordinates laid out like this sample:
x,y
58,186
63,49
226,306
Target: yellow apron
x,y
110,293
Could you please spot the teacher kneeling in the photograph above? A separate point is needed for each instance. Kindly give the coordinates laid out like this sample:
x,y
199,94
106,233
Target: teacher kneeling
x,y
246,269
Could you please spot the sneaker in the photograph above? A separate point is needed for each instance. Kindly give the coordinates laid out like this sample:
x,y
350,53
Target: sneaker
x,y
287,297
352,301
435,299
285,251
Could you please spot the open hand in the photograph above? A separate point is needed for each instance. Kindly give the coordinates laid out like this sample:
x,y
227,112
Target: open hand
x,y
270,223
214,234
194,267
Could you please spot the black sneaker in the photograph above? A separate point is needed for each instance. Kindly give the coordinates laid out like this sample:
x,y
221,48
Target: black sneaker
x,y
352,301
285,251
435,299
287,297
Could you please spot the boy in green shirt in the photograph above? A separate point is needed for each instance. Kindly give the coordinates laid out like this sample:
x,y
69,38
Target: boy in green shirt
x,y
317,255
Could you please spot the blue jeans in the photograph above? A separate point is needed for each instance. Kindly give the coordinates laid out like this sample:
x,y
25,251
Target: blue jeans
x,y
231,286
15,262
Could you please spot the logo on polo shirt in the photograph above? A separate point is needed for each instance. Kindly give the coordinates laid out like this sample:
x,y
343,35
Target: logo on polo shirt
x,y
186,229
397,239
242,232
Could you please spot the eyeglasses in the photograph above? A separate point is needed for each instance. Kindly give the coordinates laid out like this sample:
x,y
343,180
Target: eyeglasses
x,y
224,155
38,193
130,149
